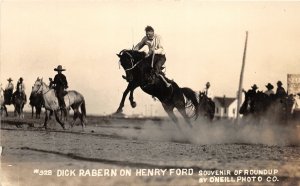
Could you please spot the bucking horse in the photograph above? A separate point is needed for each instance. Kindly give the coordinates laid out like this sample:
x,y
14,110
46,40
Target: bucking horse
x,y
139,74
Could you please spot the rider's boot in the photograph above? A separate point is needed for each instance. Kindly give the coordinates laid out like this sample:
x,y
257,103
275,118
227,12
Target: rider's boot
x,y
163,78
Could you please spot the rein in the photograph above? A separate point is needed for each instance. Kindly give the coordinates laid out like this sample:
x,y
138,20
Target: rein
x,y
36,92
134,65
132,60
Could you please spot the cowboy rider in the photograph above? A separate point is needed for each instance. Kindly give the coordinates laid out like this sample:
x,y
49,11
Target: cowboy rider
x,y
61,83
207,91
20,89
280,92
270,91
250,94
8,91
151,44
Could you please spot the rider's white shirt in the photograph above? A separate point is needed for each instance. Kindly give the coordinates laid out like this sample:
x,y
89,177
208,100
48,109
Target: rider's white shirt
x,y
9,86
269,92
208,92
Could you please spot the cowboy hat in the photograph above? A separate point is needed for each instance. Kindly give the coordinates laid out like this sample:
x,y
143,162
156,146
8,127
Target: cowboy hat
x,y
269,86
59,68
279,83
254,86
9,79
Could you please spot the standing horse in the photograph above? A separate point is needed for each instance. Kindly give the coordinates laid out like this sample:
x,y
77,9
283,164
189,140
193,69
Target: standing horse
x,y
206,106
6,99
139,74
36,101
19,101
72,99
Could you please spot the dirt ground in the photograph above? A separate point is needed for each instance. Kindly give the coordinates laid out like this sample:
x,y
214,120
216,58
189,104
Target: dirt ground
x,y
113,152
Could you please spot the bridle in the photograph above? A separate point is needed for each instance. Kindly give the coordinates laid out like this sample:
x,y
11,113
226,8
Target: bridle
x,y
41,86
132,60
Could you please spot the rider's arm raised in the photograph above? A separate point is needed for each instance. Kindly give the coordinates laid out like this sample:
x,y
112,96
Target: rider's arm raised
x,y
140,44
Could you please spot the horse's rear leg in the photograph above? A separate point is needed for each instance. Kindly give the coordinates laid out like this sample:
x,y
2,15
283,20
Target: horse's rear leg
x,y
75,116
32,112
185,116
5,109
169,110
81,117
58,120
46,119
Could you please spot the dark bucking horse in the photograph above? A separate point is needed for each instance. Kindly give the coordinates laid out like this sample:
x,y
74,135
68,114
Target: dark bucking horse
x,y
139,74
72,99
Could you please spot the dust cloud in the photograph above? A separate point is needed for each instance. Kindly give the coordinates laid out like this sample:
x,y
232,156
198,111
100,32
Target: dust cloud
x,y
247,131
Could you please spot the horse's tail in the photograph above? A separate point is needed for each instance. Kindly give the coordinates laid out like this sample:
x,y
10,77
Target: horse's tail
x,y
191,102
82,107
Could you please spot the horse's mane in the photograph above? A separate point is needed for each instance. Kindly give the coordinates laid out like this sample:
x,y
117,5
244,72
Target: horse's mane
x,y
137,55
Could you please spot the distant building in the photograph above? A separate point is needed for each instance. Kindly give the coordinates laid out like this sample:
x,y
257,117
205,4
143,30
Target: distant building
x,y
225,107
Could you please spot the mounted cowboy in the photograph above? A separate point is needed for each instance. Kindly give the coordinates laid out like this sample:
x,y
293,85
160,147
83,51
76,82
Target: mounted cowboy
x,y
269,90
151,44
60,83
207,91
20,89
280,92
8,91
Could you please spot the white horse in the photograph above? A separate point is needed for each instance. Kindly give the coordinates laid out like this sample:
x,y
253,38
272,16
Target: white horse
x,y
72,99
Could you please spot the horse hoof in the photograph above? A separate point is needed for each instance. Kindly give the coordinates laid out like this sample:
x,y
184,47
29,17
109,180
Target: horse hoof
x,y
119,111
133,104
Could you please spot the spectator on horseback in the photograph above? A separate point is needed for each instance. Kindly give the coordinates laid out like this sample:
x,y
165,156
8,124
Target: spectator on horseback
x,y
51,83
60,83
151,44
251,92
20,88
280,92
8,91
10,86
207,91
269,90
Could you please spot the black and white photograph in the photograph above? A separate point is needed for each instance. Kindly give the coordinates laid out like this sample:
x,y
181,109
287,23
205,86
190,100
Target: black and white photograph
x,y
149,93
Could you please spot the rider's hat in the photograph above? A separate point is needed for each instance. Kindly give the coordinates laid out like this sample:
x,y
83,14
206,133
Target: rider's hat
x,y
254,87
21,79
269,86
59,68
9,79
279,83
208,83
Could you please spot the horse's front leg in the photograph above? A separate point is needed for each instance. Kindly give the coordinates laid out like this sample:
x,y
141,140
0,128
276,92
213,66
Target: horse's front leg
x,y
6,113
58,120
129,88
132,102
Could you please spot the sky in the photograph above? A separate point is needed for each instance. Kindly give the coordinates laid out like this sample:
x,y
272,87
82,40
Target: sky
x,y
204,41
